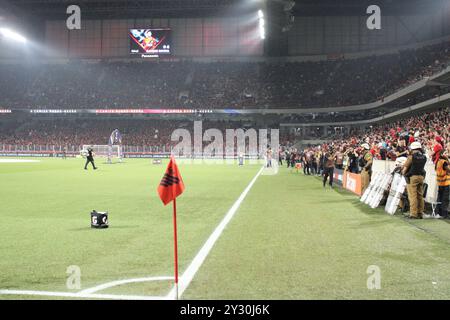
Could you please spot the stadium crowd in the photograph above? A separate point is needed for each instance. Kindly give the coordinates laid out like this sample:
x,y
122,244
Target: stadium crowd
x,y
176,84
317,84
387,141
72,134
411,143
418,96
75,133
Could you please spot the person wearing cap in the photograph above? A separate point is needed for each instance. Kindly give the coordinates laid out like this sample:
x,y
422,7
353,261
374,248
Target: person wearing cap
x,y
366,166
443,182
414,172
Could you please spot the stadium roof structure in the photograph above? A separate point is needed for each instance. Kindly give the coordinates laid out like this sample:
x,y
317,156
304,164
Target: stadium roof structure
x,y
54,9
49,9
358,7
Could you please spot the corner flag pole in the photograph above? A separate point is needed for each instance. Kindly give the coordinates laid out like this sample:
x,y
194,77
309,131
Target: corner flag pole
x,y
170,187
175,245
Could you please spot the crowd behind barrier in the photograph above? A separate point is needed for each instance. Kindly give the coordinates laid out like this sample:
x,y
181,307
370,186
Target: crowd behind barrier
x,y
390,140
387,141
143,135
361,153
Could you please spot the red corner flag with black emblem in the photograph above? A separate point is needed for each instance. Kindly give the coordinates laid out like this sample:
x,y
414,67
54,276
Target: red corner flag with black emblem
x,y
170,187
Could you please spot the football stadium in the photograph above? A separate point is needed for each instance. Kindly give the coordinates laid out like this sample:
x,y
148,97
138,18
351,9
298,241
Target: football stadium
x,y
224,150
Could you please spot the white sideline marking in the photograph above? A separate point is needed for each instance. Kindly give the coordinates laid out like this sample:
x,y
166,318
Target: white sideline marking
x,y
79,295
195,265
121,282
17,160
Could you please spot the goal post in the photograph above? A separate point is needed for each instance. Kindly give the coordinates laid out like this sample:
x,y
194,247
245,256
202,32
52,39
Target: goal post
x,y
110,151
106,151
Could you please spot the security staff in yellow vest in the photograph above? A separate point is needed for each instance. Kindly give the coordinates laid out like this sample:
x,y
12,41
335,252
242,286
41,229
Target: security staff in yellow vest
x,y
443,182
366,166
414,172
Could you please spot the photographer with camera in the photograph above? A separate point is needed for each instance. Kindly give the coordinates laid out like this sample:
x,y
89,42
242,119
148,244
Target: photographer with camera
x,y
414,172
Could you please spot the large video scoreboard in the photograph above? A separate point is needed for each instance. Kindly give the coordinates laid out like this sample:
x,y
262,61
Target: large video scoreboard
x,y
151,42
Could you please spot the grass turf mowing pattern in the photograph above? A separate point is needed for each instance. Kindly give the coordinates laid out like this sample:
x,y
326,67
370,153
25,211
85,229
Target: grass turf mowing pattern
x,y
293,239
45,221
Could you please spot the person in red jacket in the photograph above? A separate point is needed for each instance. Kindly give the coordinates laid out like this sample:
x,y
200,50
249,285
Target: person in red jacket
x,y
437,149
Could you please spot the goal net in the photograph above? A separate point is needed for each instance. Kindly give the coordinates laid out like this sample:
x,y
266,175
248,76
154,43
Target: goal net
x,y
109,152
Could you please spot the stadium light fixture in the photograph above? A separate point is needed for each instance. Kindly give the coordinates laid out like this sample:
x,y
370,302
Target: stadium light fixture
x,y
262,22
262,30
8,33
260,14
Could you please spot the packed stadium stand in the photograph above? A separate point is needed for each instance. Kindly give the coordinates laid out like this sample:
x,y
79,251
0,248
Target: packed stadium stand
x,y
155,135
148,135
188,84
423,127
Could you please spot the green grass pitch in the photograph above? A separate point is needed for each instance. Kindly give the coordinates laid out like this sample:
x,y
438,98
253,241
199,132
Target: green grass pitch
x,y
290,238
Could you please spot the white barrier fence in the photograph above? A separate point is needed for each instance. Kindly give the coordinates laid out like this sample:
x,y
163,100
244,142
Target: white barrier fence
x,y
386,166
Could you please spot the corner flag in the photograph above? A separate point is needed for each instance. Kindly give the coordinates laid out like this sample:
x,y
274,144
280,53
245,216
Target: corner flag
x,y
170,187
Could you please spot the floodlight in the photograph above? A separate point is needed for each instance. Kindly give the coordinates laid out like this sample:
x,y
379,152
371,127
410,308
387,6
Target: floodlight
x,y
8,33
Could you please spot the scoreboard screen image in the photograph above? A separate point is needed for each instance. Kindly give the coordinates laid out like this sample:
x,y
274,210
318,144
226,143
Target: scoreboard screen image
x,y
150,41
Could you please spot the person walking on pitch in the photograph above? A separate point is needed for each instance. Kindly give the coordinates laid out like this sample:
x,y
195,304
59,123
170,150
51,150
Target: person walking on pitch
x,y
90,159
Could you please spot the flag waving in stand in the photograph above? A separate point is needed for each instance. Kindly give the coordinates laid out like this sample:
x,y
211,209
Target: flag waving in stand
x,y
170,187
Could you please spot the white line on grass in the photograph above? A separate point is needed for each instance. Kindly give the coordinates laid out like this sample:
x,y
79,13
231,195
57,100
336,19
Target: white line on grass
x,y
18,161
90,292
195,265
79,295
121,282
